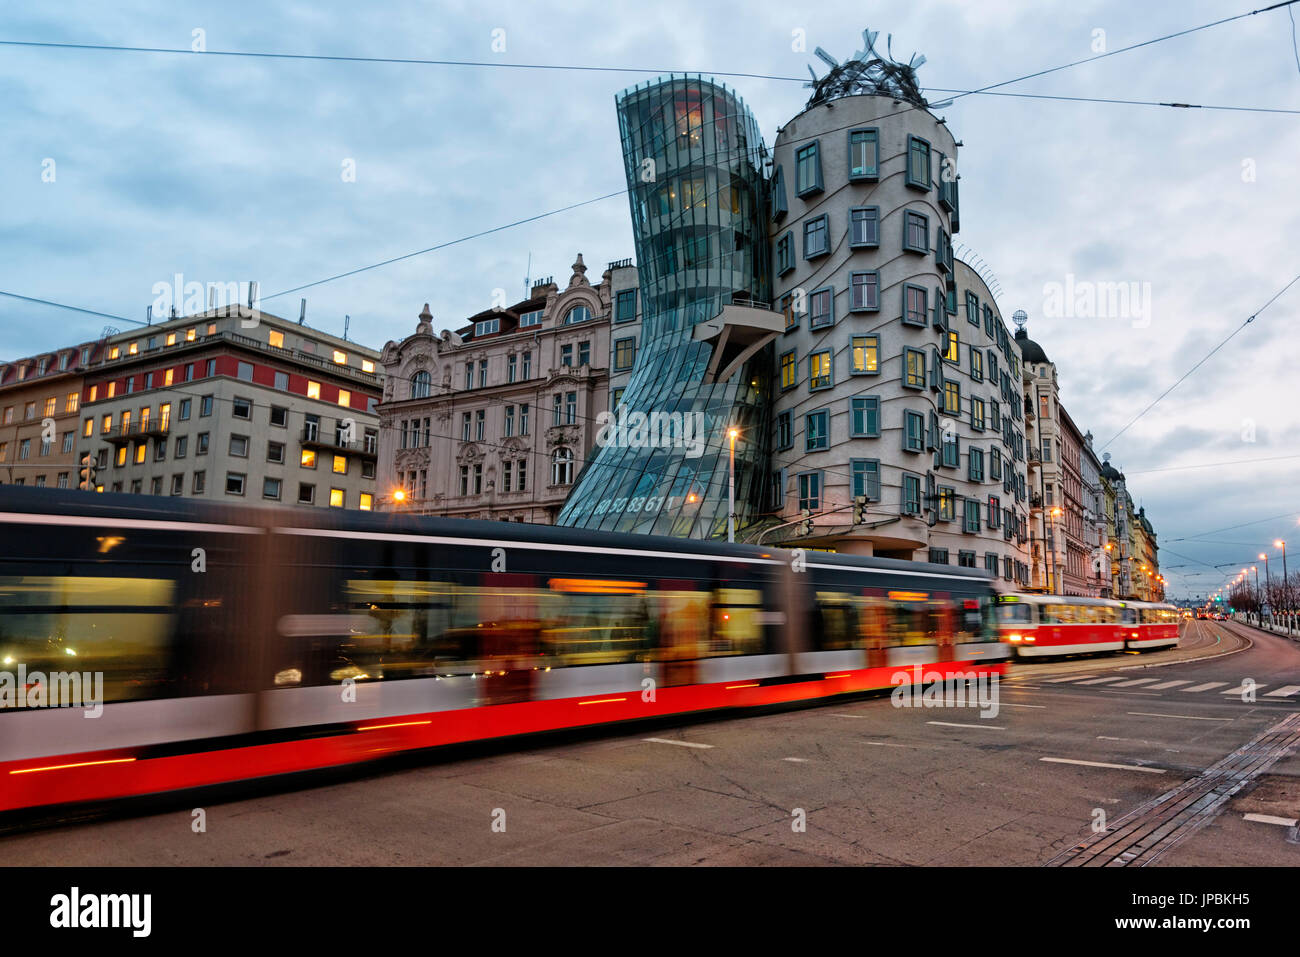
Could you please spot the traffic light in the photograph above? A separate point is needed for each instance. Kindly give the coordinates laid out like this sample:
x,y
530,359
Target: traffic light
x,y
859,509
87,473
805,527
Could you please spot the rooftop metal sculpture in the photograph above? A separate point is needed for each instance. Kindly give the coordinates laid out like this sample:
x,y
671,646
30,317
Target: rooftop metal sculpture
x,y
871,73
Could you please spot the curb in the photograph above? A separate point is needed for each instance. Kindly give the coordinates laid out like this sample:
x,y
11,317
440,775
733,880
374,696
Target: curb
x,y
1186,661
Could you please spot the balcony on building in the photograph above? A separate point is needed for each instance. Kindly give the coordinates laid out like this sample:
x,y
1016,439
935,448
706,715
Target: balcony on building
x,y
314,437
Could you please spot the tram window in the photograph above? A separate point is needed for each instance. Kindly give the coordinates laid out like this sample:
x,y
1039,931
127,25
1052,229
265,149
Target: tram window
x,y
118,627
1014,613
835,621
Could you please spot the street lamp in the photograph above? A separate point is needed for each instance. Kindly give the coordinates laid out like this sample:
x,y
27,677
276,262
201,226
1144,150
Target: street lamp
x,y
1268,585
732,434
399,495
1255,569
1286,587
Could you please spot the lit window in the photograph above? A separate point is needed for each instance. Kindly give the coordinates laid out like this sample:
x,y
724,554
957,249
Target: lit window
x,y
171,338
94,393
135,347
308,459
366,501
819,370
341,464
866,355
367,365
336,498
114,352
340,358
313,389
190,334
345,397
276,338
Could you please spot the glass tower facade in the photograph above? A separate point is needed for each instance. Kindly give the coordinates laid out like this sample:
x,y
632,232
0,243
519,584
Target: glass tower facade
x,y
695,165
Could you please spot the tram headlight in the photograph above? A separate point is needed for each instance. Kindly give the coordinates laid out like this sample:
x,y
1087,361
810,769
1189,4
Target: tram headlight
x,y
1013,637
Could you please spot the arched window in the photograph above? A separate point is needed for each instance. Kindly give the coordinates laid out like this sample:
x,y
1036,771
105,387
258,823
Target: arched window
x,y
562,467
577,314
421,385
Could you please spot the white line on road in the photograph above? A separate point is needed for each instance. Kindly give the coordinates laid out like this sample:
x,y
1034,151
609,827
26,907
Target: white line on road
x,y
949,724
1135,682
1012,704
796,760
1270,819
1097,681
680,744
1168,684
1103,764
1188,717
1284,692
1243,688
1207,686
1070,678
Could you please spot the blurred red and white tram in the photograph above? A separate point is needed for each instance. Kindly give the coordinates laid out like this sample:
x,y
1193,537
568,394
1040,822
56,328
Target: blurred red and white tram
x,y
1039,626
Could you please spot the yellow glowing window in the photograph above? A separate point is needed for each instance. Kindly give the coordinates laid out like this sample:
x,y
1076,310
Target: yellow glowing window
x,y
112,389
345,397
189,334
171,338
336,498
866,354
90,427
953,346
308,459
313,389
51,405
212,328
276,338
135,347
366,500
108,424
341,464
94,393
167,377
73,402
367,365
121,456
140,450
165,414
340,358
114,352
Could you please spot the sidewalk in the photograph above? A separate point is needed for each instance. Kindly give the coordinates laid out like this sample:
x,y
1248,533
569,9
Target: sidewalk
x,y
1268,629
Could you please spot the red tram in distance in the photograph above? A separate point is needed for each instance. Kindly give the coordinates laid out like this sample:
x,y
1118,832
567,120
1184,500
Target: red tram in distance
x,y
1040,626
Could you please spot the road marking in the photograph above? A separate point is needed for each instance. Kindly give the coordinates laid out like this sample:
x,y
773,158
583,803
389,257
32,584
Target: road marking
x,y
1207,686
1071,678
1284,692
1012,704
796,760
1168,684
1097,681
1270,819
1135,682
680,744
1188,717
889,744
1243,688
949,724
837,714
1103,764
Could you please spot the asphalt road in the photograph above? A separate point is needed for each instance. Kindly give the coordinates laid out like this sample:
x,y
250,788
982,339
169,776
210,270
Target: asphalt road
x,y
871,783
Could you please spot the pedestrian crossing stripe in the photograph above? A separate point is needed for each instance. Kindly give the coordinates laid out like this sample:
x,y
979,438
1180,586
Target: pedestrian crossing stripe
x,y
1285,692
1207,686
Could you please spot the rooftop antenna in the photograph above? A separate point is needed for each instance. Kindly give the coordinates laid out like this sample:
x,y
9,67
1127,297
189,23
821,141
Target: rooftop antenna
x,y
148,316
346,322
252,293
212,298
528,276
302,311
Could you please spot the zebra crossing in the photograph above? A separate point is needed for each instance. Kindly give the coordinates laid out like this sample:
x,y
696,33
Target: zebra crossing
x,y
1182,685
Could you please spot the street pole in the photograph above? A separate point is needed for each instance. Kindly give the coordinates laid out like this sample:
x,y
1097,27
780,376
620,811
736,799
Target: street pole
x,y
1258,620
731,489
1286,589
1268,585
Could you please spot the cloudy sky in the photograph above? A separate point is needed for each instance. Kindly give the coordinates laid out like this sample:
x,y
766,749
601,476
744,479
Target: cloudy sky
x,y
232,168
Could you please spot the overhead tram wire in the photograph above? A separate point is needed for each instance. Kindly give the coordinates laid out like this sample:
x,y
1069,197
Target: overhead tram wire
x,y
1205,359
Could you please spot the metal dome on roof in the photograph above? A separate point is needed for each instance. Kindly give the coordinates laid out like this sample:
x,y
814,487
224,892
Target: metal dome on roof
x,y
1030,351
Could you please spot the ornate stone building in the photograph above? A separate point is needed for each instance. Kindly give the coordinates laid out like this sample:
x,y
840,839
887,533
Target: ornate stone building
x,y
496,419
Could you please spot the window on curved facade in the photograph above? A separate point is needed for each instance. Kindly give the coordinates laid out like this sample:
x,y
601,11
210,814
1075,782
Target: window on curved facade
x,y
421,385
577,314
918,163
808,170
864,154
